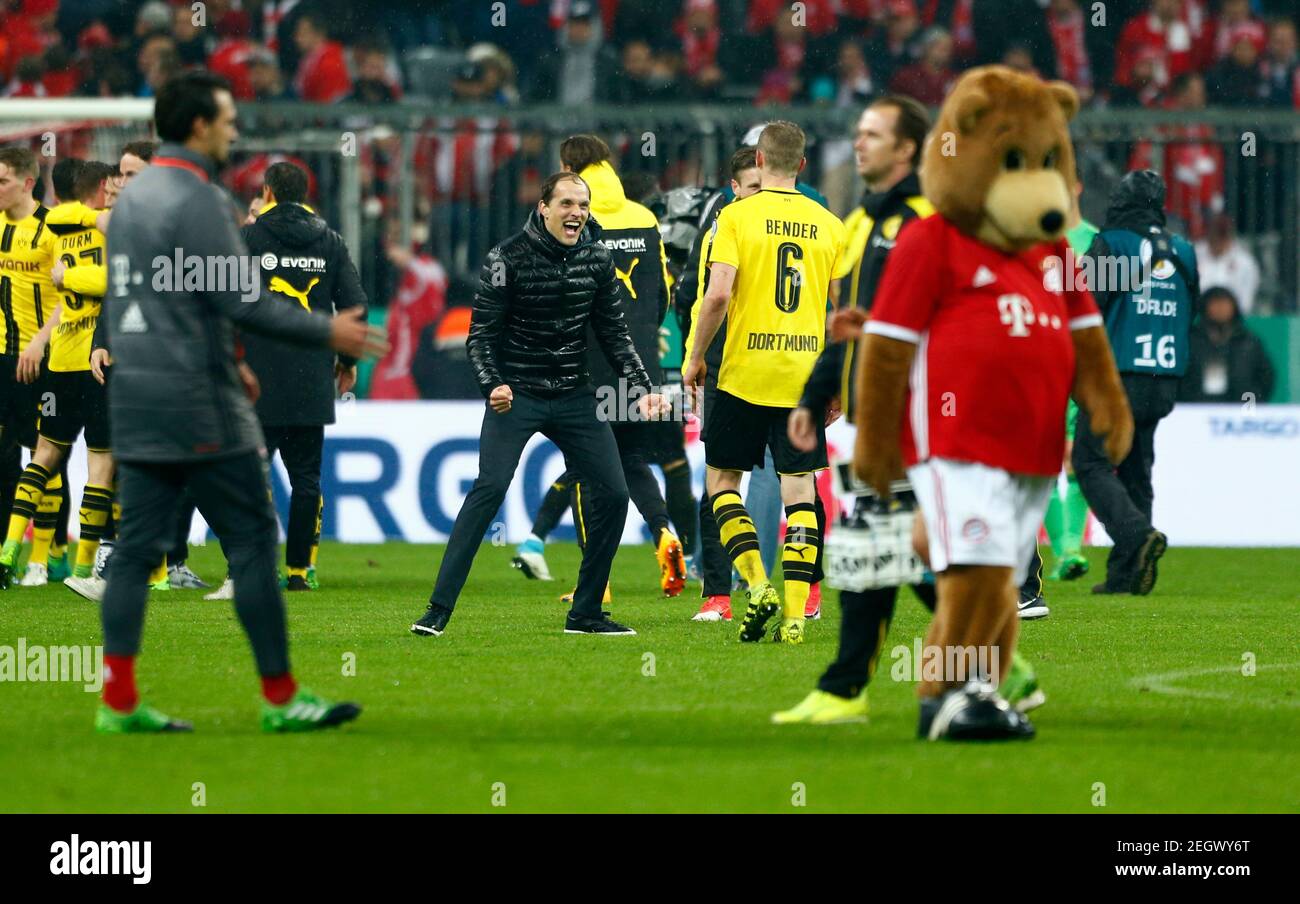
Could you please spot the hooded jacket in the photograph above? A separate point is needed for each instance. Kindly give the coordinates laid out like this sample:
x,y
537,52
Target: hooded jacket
x,y
1234,352
175,393
312,270
1147,305
631,233
535,300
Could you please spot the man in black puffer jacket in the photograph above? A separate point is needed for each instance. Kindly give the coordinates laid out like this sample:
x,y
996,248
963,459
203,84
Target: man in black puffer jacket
x,y
304,262
538,291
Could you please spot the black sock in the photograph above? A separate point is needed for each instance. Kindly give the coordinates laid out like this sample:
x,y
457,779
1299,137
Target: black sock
x,y
553,505
864,623
682,507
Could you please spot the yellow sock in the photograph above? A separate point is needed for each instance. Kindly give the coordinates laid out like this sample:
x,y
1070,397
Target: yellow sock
x,y
46,520
96,502
315,540
738,536
27,498
300,572
159,574
799,556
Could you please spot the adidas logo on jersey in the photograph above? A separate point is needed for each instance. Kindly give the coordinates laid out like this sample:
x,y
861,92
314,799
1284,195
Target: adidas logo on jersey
x,y
133,320
983,277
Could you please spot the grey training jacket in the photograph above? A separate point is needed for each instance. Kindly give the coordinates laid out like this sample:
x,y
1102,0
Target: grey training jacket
x,y
174,392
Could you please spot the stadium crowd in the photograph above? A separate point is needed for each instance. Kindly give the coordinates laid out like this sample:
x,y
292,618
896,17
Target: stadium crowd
x,y
840,52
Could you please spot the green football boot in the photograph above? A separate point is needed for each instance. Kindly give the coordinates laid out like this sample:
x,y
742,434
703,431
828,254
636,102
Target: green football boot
x,y
9,562
1069,568
311,578
59,569
306,712
1020,688
144,718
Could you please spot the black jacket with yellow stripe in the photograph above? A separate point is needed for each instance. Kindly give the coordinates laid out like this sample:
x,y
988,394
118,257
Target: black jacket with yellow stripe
x,y
873,229
631,233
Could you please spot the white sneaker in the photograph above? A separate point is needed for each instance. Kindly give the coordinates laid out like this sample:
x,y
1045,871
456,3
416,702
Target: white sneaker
x,y
37,575
92,588
532,564
101,558
182,578
225,592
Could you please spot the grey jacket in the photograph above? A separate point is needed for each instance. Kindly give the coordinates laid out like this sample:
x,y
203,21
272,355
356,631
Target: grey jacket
x,y
174,392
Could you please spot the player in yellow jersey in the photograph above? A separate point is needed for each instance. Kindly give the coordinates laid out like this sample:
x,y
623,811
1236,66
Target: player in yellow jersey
x,y
772,258
71,397
27,301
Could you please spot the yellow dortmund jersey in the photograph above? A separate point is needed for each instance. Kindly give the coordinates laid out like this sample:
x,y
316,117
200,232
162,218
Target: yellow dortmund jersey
x,y
27,297
785,248
85,282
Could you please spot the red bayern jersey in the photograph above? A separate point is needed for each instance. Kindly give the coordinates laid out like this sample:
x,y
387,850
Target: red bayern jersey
x,y
995,361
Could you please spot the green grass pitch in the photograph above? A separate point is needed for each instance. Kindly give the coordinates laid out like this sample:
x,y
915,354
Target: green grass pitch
x,y
1148,706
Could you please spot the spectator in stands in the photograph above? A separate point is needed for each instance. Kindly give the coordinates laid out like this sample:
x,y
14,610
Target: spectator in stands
x,y
929,79
27,79
420,300
153,17
701,40
191,40
1226,263
850,85
638,82
322,75
157,52
1163,30
784,81
958,16
375,82
1192,163
1065,23
264,76
1281,66
1142,89
997,24
231,57
1235,22
1235,80
897,45
572,75
1226,361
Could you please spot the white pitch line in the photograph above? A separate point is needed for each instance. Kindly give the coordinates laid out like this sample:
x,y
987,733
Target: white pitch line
x,y
1163,684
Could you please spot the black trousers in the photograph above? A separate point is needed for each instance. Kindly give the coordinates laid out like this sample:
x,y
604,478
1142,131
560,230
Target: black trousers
x,y
233,495
1033,585
1121,497
300,450
864,622
180,550
588,445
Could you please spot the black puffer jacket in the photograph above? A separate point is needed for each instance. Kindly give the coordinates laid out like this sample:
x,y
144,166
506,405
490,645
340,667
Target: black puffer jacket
x,y
535,299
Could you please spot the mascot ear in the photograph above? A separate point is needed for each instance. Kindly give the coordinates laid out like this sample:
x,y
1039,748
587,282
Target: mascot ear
x,y
973,104
1066,97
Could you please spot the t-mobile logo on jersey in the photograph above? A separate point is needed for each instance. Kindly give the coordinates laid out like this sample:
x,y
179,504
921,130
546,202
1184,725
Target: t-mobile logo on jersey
x,y
1017,313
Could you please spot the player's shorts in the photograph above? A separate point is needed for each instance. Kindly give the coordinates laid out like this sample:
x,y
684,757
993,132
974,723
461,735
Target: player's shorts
x,y
19,403
76,401
738,433
978,515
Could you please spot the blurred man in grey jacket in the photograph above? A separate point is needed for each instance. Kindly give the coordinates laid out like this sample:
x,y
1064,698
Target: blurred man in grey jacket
x,y
181,282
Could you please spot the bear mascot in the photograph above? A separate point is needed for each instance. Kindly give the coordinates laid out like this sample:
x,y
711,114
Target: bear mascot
x,y
977,337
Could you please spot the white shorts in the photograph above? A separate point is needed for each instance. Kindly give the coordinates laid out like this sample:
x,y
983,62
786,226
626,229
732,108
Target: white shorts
x,y
978,515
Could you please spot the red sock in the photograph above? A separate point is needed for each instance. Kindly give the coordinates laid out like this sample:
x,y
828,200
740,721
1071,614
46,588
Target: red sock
x,y
278,689
119,683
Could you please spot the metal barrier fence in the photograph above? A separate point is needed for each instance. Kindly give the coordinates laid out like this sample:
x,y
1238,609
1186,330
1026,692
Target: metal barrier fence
x,y
469,174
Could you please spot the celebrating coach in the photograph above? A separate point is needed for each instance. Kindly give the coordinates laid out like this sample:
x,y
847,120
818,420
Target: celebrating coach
x,y
538,291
